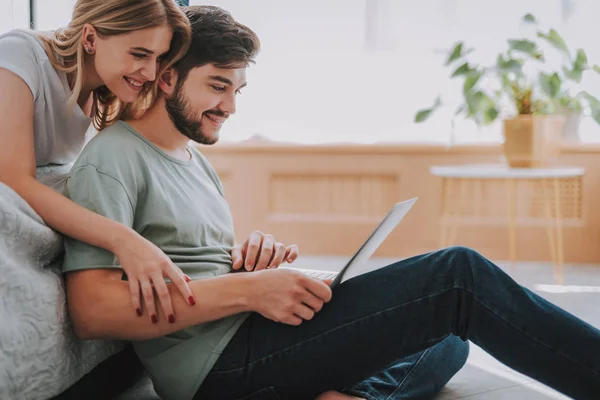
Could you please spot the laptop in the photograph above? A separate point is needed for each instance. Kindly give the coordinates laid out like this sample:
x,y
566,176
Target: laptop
x,y
355,266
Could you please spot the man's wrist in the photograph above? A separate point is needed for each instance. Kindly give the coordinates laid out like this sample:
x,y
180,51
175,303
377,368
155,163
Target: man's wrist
x,y
246,291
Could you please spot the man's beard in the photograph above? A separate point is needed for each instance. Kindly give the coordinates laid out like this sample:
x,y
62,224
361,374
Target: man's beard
x,y
186,120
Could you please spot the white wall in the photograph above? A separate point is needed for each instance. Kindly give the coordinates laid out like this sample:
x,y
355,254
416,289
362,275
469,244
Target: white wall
x,y
13,14
317,81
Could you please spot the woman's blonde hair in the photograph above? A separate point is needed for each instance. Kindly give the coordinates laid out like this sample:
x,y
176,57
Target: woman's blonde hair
x,y
115,17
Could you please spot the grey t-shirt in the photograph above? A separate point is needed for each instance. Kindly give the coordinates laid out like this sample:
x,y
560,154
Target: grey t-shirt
x,y
58,129
177,205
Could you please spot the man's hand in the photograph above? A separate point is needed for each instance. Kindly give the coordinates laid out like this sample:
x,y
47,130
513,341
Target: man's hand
x,y
261,251
287,296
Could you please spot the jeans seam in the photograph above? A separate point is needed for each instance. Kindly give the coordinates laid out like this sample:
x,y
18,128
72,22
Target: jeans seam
x,y
333,330
530,337
408,376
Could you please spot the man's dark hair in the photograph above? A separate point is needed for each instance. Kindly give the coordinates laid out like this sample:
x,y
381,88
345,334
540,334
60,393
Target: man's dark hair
x,y
218,39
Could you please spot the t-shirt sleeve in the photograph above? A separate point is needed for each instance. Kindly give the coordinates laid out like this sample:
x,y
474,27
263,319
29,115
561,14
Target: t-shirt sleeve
x,y
18,55
105,195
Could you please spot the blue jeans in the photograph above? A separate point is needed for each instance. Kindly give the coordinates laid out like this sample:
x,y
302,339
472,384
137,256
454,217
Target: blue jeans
x,y
376,320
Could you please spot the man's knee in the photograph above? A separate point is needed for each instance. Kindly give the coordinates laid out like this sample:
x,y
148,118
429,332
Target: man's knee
x,y
462,259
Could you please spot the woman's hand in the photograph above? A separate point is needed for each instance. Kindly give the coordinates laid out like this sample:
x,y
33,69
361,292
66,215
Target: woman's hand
x,y
147,266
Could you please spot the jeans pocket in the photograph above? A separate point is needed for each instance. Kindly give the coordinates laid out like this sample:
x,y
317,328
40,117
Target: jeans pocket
x,y
263,394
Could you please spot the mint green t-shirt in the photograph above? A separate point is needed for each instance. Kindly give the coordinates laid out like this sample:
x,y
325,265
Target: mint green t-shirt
x,y
177,205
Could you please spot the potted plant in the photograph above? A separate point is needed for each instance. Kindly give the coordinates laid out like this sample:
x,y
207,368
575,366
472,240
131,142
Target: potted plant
x,y
538,108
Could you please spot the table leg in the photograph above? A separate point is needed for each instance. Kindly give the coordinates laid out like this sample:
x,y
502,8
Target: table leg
x,y
559,270
547,199
457,211
446,184
512,228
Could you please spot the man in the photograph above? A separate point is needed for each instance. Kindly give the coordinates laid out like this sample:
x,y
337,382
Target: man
x,y
274,333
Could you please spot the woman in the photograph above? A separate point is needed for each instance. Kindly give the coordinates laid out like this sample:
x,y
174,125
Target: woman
x,y
100,68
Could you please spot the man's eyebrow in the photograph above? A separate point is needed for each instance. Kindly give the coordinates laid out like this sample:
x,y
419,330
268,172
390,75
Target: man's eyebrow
x,y
224,80
221,79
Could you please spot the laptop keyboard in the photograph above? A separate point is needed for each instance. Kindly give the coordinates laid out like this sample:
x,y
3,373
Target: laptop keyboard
x,y
315,273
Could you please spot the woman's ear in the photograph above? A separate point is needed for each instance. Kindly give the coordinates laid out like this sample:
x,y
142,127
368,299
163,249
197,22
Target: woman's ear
x,y
168,81
88,38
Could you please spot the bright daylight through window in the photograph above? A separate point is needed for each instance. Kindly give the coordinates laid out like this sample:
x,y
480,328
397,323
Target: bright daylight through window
x,y
358,70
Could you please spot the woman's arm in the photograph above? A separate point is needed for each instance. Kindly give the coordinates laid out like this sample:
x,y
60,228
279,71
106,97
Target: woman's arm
x,y
143,262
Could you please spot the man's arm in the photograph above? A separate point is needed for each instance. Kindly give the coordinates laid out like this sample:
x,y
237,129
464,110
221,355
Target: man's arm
x,y
98,302
99,305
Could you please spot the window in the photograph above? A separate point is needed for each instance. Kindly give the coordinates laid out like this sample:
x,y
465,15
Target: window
x,y
15,14
358,70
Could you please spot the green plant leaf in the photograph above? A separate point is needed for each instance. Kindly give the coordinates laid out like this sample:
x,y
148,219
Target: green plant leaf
x,y
478,102
581,59
550,84
579,65
529,19
423,115
555,40
524,46
471,80
490,115
594,105
574,75
455,54
596,68
508,64
464,69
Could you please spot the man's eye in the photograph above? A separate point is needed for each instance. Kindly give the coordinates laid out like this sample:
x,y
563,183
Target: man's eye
x,y
218,88
139,56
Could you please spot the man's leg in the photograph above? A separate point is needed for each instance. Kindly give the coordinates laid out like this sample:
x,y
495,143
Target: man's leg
x,y
416,377
377,319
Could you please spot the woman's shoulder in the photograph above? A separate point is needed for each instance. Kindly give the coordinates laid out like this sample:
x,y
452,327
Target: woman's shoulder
x,y
19,41
22,52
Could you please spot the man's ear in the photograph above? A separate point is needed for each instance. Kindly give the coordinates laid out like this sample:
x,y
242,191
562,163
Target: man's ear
x,y
168,81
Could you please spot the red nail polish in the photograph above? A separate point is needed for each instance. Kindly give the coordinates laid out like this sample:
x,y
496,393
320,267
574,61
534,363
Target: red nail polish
x,y
187,279
171,318
154,319
138,312
191,300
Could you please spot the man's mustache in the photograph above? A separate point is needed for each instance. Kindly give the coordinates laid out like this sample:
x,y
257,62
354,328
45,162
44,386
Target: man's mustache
x,y
218,113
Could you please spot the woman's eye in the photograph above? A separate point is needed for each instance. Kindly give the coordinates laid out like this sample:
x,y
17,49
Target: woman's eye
x,y
219,88
139,56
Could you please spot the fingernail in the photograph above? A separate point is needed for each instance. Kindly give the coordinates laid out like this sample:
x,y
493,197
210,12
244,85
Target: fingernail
x,y
154,319
290,260
191,300
187,278
138,312
171,318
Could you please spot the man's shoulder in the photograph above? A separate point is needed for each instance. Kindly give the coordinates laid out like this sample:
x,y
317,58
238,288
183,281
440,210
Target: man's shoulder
x,y
114,151
207,167
115,144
